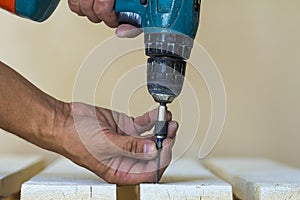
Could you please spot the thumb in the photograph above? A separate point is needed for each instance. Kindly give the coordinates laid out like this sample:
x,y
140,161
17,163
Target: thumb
x,y
127,31
134,147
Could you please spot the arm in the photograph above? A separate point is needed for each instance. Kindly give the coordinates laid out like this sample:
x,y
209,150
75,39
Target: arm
x,y
107,143
26,111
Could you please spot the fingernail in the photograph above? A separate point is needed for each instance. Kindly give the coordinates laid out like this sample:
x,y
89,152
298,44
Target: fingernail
x,y
173,125
119,34
127,31
149,149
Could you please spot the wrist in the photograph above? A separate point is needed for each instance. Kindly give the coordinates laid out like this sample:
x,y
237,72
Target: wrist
x,y
51,130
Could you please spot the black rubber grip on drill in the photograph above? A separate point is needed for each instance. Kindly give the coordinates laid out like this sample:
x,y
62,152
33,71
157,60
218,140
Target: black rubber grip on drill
x,y
161,129
130,18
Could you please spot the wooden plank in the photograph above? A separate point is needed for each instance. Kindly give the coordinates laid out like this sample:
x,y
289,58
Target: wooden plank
x,y
16,169
65,180
258,179
187,179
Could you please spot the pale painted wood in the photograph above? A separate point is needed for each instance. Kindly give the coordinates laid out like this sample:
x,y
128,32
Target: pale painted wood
x,y
16,169
258,179
187,179
66,181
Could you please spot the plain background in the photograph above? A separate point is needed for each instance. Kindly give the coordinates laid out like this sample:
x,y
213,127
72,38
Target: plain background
x,y
255,45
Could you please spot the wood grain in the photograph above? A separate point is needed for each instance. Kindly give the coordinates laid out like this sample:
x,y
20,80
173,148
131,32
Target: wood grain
x,y
187,179
67,181
258,179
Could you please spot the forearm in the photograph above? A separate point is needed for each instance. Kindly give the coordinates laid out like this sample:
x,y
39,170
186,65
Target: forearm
x,y
26,111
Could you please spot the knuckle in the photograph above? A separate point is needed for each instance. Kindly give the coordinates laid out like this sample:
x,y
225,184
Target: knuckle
x,y
131,146
102,7
72,2
127,145
99,9
85,4
94,19
134,148
73,8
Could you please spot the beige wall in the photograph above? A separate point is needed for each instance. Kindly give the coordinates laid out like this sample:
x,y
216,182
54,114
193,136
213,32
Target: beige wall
x,y
255,45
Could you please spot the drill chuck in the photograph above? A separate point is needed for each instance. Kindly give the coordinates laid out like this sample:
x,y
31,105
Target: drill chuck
x,y
165,76
163,42
166,65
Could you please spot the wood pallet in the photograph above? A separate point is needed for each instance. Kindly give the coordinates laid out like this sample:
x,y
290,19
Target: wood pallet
x,y
65,180
217,178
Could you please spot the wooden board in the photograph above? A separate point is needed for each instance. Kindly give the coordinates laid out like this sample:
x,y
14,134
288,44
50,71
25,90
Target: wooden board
x,y
187,179
16,169
66,181
258,179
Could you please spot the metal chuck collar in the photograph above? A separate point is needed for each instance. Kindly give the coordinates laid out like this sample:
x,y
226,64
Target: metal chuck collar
x,y
165,76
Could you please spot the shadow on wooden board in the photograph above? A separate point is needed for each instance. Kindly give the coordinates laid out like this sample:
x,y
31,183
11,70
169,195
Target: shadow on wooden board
x,y
131,192
13,197
15,170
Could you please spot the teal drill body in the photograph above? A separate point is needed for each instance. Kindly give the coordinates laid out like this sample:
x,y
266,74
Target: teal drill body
x,y
36,10
168,15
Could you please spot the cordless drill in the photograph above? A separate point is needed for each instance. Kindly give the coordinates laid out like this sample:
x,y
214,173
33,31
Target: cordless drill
x,y
36,10
169,29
